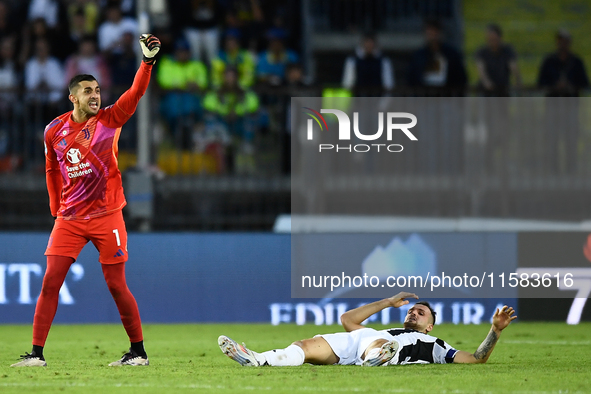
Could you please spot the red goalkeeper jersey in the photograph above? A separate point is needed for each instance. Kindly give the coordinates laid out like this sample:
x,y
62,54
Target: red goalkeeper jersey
x,y
83,179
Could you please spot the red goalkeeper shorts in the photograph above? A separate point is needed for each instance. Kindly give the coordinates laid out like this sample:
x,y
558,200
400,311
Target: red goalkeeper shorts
x,y
107,233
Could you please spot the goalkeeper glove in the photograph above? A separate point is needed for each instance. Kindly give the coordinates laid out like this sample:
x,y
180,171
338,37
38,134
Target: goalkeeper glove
x,y
150,46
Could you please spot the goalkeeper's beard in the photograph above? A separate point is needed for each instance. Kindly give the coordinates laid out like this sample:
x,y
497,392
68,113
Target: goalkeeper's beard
x,y
88,110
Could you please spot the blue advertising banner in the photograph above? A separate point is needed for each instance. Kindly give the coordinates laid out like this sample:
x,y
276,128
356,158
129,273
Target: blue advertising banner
x,y
377,265
186,277
174,277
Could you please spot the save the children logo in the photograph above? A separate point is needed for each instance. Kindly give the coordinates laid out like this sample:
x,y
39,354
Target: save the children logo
x,y
74,156
344,131
78,169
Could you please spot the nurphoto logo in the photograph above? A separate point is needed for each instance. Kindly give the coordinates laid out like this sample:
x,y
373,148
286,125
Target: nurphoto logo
x,y
344,132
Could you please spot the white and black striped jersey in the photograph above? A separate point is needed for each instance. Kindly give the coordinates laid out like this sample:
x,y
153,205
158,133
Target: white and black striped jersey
x,y
418,348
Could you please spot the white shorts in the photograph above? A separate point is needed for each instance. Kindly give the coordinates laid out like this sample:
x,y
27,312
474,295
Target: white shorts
x,y
350,346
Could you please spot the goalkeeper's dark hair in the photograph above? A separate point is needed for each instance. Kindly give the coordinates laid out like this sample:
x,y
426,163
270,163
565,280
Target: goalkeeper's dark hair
x,y
79,78
433,313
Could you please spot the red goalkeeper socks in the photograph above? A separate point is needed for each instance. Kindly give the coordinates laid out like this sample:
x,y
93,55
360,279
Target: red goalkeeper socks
x,y
126,304
57,268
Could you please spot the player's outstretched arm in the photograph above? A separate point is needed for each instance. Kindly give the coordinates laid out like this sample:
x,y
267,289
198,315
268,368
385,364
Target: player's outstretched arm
x,y
125,106
150,45
352,319
501,320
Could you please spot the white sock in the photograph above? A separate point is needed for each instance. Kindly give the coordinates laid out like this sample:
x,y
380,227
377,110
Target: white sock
x,y
291,356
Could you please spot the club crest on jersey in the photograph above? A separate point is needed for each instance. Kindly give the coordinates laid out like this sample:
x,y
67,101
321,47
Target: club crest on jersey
x,y
74,156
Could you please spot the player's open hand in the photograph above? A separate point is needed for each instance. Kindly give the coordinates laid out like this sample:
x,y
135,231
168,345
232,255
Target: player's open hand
x,y
400,299
150,45
502,318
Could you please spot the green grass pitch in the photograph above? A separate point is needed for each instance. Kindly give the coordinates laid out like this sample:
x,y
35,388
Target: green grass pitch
x,y
529,358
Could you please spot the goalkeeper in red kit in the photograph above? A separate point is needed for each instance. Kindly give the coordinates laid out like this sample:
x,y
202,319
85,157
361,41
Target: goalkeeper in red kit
x,y
86,198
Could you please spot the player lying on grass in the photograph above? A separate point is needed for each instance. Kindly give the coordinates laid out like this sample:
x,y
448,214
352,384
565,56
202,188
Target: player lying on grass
x,y
365,346
86,198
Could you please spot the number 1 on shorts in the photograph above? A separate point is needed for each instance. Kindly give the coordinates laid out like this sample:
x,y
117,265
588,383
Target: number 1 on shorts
x,y
116,232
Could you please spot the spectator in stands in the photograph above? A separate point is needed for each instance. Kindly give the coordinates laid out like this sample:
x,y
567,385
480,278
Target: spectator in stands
x,y
247,16
296,82
127,7
235,108
9,105
277,28
201,19
112,29
37,29
8,26
272,62
181,80
9,71
496,63
44,84
89,61
83,17
368,72
563,73
52,11
123,66
437,67
236,57
167,38
296,85
78,25
44,75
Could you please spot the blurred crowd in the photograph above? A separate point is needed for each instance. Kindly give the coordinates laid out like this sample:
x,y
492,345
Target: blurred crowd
x,y
226,71
438,68
214,53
